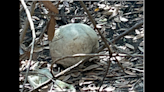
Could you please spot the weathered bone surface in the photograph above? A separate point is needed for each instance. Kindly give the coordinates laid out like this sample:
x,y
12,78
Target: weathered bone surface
x,y
72,39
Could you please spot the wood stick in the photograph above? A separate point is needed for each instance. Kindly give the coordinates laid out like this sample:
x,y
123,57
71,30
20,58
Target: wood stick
x,y
33,40
22,35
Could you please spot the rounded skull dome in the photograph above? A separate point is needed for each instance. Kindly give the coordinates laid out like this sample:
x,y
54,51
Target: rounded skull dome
x,y
72,39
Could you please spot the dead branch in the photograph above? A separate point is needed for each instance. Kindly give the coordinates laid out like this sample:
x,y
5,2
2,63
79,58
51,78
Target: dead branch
x,y
137,25
22,35
94,24
42,85
68,69
73,66
33,40
103,39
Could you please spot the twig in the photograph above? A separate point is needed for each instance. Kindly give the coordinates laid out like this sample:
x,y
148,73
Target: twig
x,y
27,23
103,39
135,69
42,85
73,56
137,25
69,68
42,33
94,24
33,40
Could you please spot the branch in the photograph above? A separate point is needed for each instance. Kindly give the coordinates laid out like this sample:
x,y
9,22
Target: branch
x,y
94,24
27,23
103,39
33,40
137,25
73,66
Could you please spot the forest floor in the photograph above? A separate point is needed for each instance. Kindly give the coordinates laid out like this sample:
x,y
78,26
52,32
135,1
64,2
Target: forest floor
x,y
112,18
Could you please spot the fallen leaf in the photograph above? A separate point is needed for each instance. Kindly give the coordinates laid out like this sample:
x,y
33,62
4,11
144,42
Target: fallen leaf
x,y
50,6
141,48
91,67
66,4
137,31
129,36
66,77
138,36
21,51
129,46
61,77
101,5
87,82
44,43
61,86
123,19
38,49
135,69
115,11
126,64
88,79
76,74
97,9
129,72
117,19
109,89
51,28
142,43
46,47
122,29
139,2
103,20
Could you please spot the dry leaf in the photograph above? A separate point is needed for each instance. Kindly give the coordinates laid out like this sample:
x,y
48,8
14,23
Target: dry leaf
x,y
113,11
142,43
137,31
117,19
123,60
138,36
21,52
44,43
126,64
50,6
97,9
135,69
76,74
66,77
51,28
38,49
61,77
139,2
129,72
109,89
141,48
101,5
123,19
129,36
91,67
129,46
88,79
46,47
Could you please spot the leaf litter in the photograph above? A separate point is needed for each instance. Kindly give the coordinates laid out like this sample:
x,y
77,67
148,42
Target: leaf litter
x,y
89,76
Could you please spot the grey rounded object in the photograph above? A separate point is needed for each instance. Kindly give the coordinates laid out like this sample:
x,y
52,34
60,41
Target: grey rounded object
x,y
72,39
